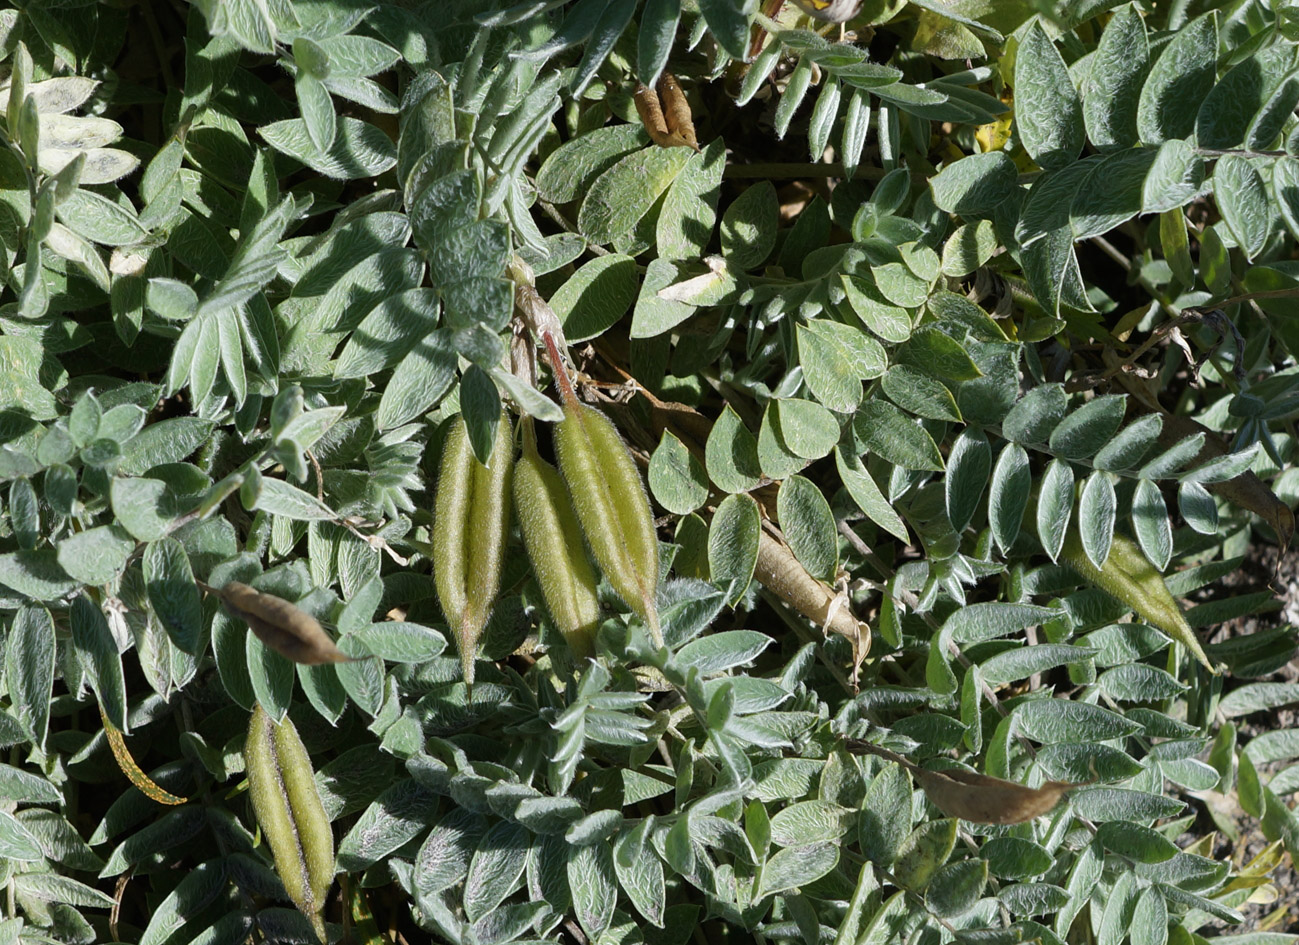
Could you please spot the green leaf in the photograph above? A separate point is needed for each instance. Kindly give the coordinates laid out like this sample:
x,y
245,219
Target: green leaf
x,y
1037,413
968,466
1174,179
1111,90
1137,682
1179,81
886,320
1129,449
936,353
1082,433
813,821
733,543
975,184
144,507
167,441
923,851
571,168
719,652
676,478
421,380
859,484
1112,193
1015,858
887,432
729,23
795,867
1096,514
623,194
1055,506
1048,111
29,669
97,555
591,879
749,227
1135,842
808,525
731,454
1057,720
1016,664
359,149
35,574
885,817
836,358
992,619
1242,198
596,296
1198,507
805,427
388,332
1149,924
1150,523
16,843
173,595
685,224
97,653
100,220
956,887
969,247
1008,498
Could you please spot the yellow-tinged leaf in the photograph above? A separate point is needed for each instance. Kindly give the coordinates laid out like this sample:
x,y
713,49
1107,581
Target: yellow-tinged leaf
x,y
148,787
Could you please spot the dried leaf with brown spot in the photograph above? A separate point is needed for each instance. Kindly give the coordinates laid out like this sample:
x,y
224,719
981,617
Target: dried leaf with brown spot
x,y
284,627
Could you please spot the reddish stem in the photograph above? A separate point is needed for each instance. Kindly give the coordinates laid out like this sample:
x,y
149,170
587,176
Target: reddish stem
x,y
561,375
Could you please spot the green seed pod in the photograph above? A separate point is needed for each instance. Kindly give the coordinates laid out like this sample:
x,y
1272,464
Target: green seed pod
x,y
610,499
553,538
471,522
1129,577
288,808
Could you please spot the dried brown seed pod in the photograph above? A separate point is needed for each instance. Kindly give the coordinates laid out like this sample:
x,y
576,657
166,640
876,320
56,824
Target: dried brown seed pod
x,y
666,114
284,627
978,798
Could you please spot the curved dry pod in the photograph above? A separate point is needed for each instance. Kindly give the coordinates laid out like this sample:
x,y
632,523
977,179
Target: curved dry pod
x,y
289,811
471,519
284,627
553,539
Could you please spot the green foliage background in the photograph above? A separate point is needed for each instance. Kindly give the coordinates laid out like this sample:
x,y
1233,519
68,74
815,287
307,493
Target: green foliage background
x,y
260,252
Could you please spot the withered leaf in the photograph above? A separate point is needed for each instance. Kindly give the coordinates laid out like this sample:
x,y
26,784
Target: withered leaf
x,y
977,798
148,787
284,627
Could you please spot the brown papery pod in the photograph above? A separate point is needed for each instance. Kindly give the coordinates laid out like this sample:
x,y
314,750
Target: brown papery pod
x,y
978,798
666,114
982,799
676,111
284,627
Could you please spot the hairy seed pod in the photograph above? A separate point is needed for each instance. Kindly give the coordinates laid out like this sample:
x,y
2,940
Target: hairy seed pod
x,y
610,499
471,520
289,811
1128,576
284,627
553,539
